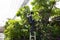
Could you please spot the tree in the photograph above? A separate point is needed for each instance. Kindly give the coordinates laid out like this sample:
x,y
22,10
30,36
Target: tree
x,y
43,10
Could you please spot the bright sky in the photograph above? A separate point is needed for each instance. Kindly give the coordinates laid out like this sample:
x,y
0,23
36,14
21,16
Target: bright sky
x,y
8,9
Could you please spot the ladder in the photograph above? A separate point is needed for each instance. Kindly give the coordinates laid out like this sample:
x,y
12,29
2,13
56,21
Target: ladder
x,y
33,36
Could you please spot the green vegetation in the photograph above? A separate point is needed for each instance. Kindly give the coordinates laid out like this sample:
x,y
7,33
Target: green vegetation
x,y
43,10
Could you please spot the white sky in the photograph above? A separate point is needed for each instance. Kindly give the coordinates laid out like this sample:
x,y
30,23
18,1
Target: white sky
x,y
8,9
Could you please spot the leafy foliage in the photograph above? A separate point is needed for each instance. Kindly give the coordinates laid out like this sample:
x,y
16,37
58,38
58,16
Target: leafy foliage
x,y
15,31
43,10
